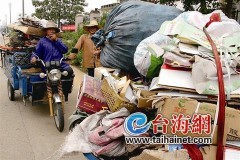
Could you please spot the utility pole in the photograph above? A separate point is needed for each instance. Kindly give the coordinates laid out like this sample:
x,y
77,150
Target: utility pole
x,y
22,8
6,24
6,19
10,7
59,12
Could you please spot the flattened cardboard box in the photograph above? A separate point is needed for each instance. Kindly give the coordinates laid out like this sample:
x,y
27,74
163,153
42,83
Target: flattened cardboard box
x,y
160,154
29,30
187,106
210,152
143,98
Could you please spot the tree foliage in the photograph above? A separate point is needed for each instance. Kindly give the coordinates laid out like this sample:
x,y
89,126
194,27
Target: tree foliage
x,y
103,19
58,9
168,2
205,6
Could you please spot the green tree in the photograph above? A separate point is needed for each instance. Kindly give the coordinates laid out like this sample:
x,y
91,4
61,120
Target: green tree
x,y
228,7
58,9
103,19
205,6
168,2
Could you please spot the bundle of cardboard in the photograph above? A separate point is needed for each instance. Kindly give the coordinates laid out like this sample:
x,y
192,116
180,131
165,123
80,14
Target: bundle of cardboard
x,y
25,33
32,21
29,25
189,70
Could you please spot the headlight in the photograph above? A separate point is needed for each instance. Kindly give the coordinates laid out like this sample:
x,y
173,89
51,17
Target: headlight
x,y
54,75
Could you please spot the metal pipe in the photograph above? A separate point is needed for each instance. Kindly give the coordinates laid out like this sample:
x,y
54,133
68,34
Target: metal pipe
x,y
49,92
10,8
50,106
23,8
60,92
222,99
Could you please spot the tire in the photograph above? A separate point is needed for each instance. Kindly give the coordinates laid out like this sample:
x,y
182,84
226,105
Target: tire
x,y
81,116
75,123
11,94
58,116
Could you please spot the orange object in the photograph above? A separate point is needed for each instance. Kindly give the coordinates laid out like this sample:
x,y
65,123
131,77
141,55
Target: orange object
x,y
6,48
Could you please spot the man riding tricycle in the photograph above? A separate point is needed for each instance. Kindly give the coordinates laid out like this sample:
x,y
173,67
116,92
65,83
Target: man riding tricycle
x,y
47,78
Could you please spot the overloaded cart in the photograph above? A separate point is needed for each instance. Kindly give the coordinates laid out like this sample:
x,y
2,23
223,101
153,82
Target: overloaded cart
x,y
189,87
38,83
23,37
18,74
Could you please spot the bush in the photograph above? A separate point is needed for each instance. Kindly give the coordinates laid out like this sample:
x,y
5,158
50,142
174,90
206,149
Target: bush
x,y
70,39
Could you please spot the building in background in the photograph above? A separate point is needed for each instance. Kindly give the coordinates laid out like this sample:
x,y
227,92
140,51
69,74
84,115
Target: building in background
x,y
78,20
95,14
107,8
73,27
68,27
151,1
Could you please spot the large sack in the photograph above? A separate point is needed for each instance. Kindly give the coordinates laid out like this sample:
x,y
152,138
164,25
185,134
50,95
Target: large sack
x,y
130,23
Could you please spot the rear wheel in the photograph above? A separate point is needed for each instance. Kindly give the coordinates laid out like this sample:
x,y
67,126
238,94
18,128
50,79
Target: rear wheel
x,y
11,94
58,116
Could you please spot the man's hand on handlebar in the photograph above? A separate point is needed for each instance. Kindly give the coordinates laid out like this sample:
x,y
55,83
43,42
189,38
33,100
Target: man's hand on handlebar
x,y
72,56
33,60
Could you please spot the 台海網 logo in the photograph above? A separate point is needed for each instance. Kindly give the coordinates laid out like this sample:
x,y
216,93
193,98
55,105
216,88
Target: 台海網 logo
x,y
137,124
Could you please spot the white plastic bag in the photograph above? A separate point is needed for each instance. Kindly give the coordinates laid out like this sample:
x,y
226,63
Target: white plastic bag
x,y
142,56
227,26
206,81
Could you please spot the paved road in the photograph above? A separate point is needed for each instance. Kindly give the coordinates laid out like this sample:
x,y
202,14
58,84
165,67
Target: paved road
x,y
28,132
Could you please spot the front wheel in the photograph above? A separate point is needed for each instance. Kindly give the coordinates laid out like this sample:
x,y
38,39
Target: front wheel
x,y
74,124
11,94
58,116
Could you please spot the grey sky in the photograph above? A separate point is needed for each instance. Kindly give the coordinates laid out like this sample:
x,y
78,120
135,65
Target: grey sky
x,y
16,8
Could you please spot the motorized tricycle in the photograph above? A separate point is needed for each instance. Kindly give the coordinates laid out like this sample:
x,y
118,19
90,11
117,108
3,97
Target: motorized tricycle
x,y
50,85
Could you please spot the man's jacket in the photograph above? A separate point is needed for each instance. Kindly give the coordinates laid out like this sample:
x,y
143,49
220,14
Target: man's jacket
x,y
48,50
